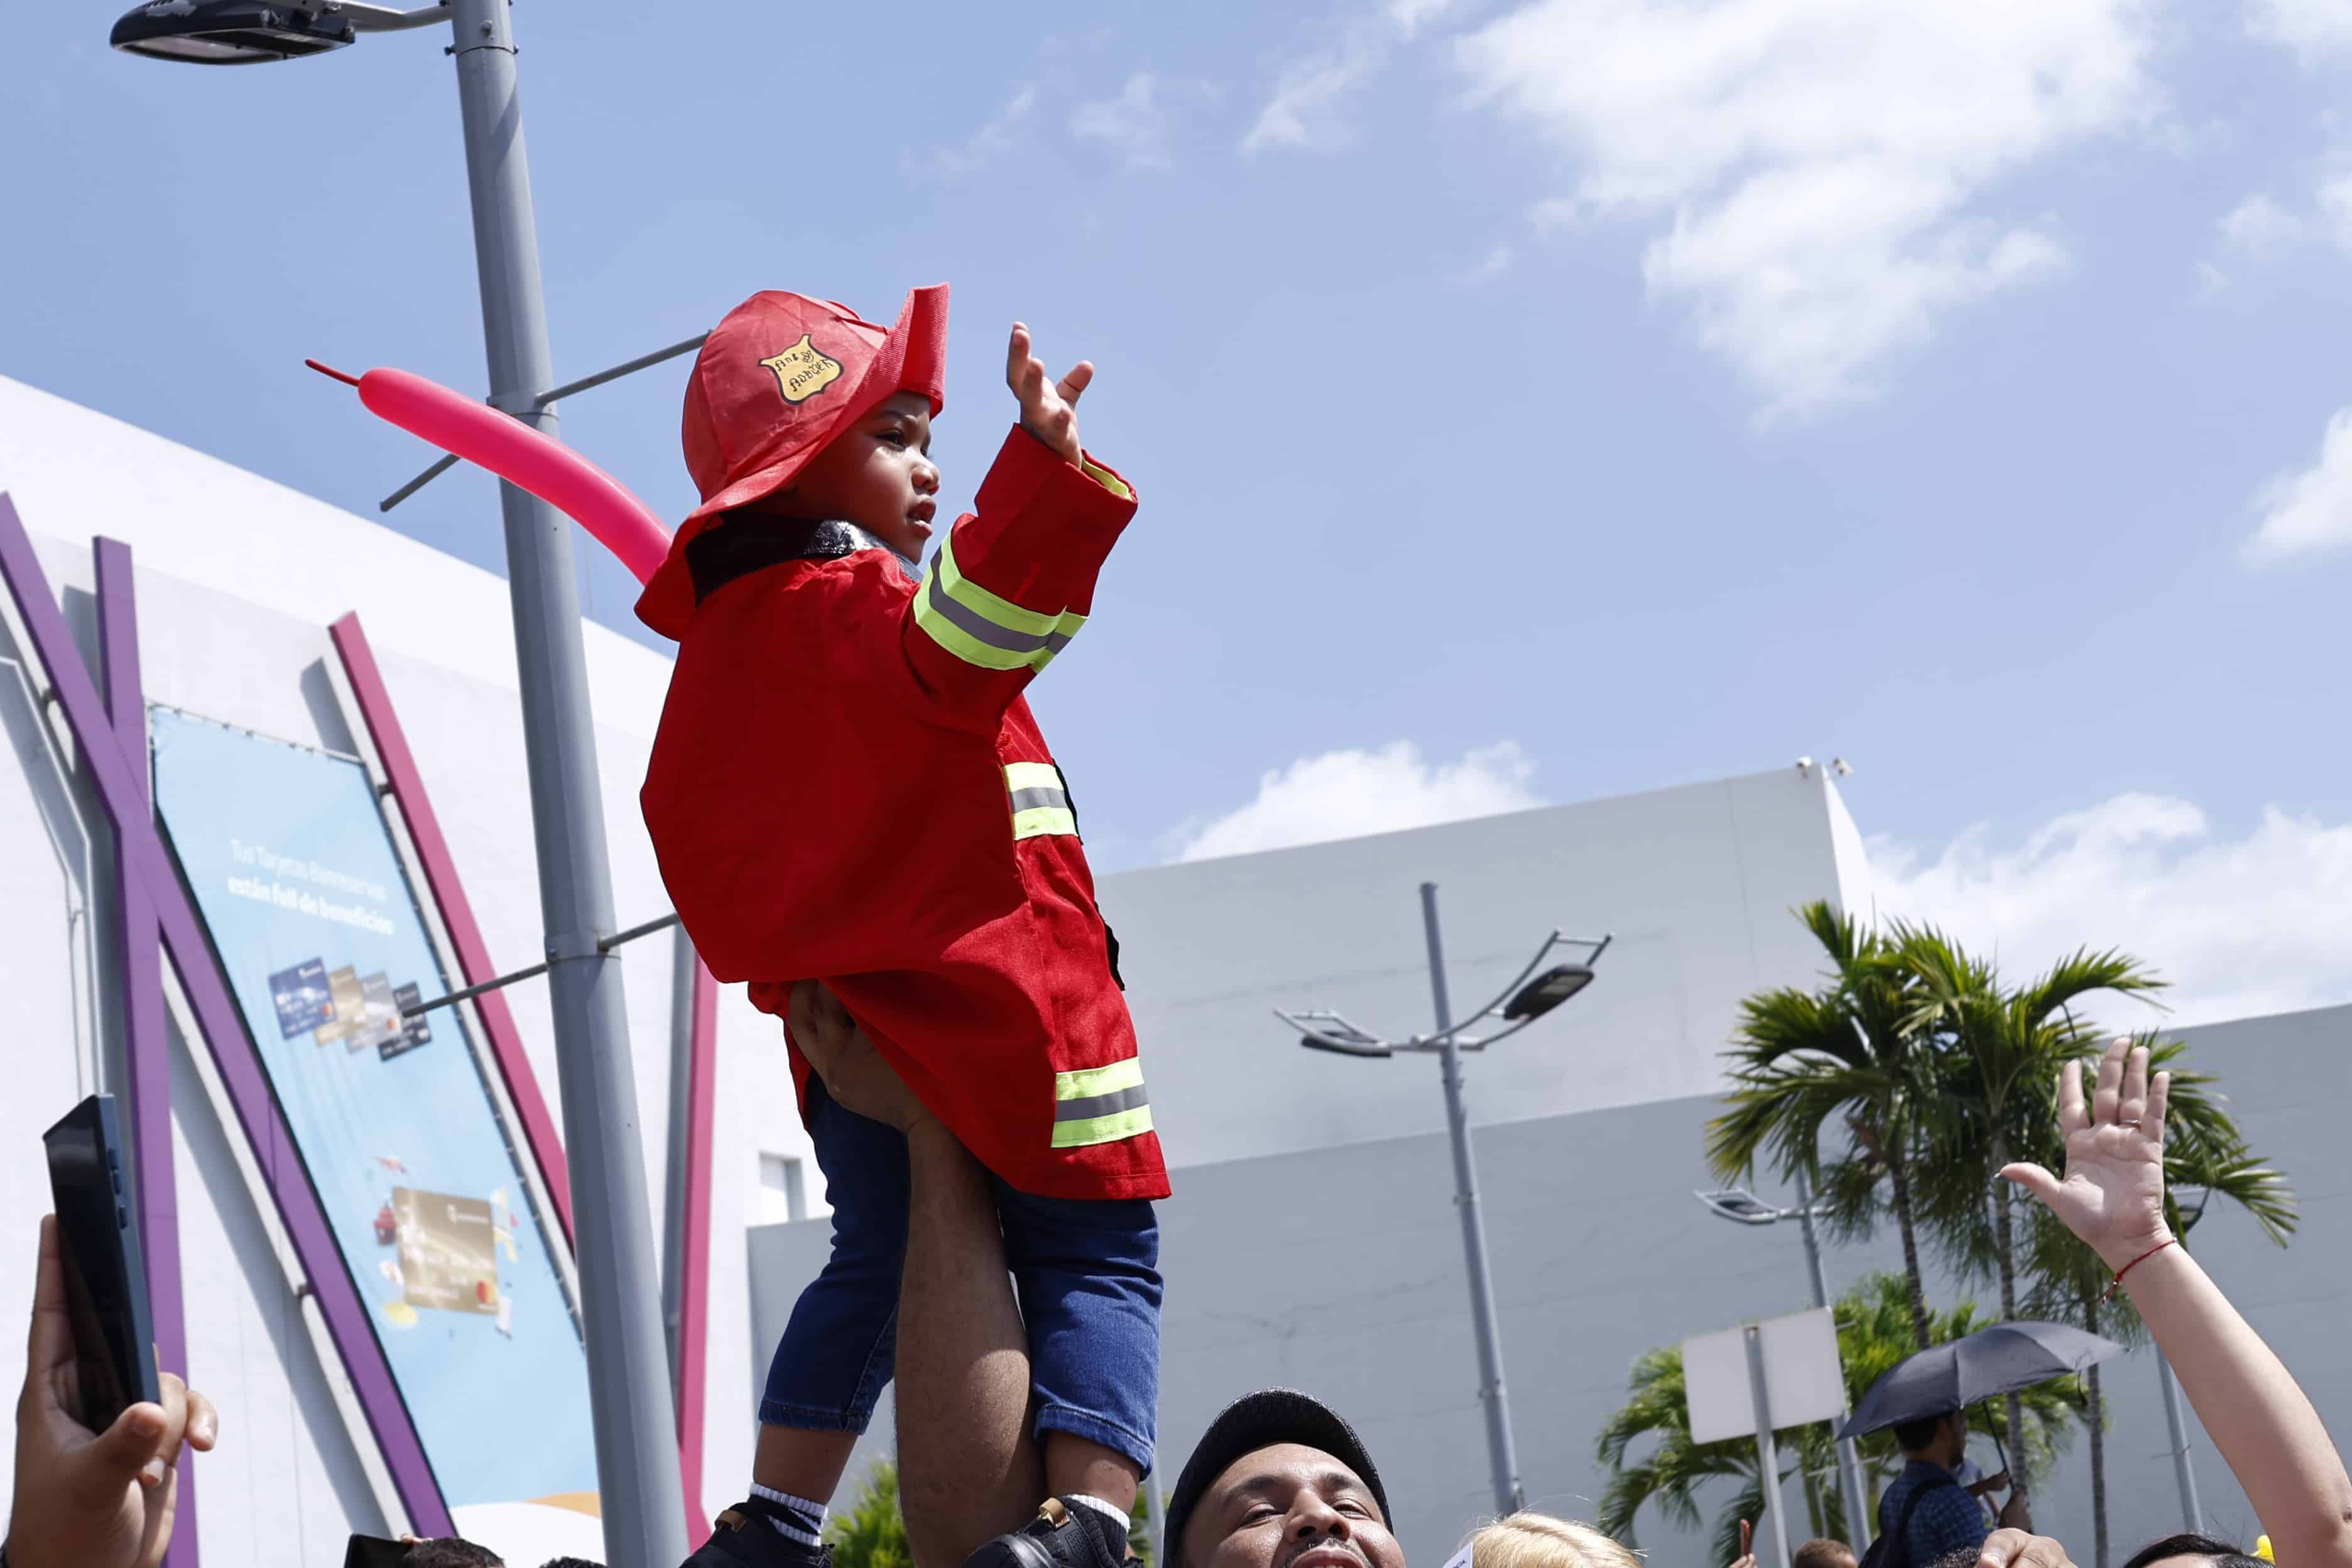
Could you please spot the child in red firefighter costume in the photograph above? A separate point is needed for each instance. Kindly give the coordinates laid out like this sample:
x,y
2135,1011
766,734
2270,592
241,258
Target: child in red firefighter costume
x,y
848,787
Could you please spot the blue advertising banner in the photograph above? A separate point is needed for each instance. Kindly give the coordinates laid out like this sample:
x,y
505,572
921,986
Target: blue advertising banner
x,y
295,874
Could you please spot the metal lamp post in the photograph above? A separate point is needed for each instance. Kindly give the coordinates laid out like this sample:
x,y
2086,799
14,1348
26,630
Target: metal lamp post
x,y
2190,1202
1522,1002
1743,1207
629,1393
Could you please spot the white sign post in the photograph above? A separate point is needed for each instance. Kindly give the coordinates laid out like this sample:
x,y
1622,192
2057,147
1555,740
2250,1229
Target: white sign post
x,y
1752,1381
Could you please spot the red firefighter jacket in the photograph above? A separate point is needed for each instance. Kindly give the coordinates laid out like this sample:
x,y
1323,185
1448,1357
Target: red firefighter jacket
x,y
848,785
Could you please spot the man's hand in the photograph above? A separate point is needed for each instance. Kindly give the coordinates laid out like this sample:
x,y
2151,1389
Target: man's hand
x,y
2113,1195
2017,1549
84,1500
1049,409
854,1072
1993,1483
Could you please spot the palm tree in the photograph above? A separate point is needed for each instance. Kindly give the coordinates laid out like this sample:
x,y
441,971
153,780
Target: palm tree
x,y
1997,1050
1874,1331
1855,1049
2203,1151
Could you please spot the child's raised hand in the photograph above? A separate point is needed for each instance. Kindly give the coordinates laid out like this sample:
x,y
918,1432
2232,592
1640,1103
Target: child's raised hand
x,y
1049,409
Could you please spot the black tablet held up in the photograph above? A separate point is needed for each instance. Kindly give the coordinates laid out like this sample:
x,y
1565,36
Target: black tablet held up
x,y
373,1552
106,1276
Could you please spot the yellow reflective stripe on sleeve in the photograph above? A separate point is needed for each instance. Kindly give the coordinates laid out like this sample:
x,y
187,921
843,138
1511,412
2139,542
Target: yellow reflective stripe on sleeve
x,y
1039,821
1013,618
1088,1082
1019,776
1102,1129
1100,1105
1108,479
1040,805
983,628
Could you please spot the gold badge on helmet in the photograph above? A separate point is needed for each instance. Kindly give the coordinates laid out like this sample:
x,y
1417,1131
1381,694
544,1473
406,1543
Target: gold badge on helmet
x,y
803,371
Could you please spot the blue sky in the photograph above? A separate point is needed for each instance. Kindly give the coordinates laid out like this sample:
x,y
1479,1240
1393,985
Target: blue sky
x,y
1589,395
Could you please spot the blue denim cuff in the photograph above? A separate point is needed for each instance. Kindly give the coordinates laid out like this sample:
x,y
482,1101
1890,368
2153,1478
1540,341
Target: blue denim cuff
x,y
802,1418
1133,1446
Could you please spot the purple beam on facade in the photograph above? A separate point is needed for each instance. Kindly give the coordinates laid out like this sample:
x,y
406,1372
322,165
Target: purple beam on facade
x,y
140,847
139,969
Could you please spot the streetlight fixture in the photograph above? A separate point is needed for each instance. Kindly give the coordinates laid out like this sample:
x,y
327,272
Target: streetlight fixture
x,y
1528,997
620,1275
244,32
1742,1206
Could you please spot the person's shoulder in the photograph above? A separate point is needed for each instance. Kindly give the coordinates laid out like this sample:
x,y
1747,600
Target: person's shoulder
x,y
797,602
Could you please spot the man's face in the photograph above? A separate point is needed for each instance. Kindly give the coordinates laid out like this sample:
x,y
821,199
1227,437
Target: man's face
x,y
1290,1506
877,474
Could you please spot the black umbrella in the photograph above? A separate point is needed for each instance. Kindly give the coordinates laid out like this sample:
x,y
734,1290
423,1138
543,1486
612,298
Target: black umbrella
x,y
1953,1375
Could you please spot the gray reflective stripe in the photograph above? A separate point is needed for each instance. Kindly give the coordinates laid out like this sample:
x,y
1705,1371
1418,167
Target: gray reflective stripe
x,y
979,628
1032,799
1095,1105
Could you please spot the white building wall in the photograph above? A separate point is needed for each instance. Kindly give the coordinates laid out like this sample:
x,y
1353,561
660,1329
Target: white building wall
x,y
1696,882
237,579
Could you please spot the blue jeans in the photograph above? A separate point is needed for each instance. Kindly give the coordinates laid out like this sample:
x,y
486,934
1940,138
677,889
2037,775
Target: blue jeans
x,y
1086,1276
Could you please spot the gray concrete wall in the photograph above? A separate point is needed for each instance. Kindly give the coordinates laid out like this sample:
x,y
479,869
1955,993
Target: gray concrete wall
x,y
1339,1272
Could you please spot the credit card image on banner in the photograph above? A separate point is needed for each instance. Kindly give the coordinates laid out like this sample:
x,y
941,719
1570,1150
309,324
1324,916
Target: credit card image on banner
x,y
413,1031
349,1004
302,998
448,1252
380,1015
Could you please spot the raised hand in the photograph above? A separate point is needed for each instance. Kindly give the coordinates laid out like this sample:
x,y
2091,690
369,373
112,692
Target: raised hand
x,y
2010,1547
2112,1192
84,1498
1049,409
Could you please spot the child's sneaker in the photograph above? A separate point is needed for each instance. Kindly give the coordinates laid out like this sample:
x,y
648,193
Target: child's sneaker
x,y
1065,1534
742,1537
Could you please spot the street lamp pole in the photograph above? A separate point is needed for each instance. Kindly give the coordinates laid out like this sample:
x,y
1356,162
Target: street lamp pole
x,y
1527,998
1743,1207
629,1393
2184,1474
1857,1515
1501,1453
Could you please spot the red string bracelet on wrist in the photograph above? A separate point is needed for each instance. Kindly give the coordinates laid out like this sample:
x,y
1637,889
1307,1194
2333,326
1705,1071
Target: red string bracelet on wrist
x,y
2118,1283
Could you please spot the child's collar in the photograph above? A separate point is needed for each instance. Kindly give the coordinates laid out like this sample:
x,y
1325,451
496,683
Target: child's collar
x,y
743,545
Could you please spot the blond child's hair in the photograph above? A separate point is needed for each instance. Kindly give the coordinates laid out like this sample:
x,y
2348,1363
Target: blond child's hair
x,y
1524,1540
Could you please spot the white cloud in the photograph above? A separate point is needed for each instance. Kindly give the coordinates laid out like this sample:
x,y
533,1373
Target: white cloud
x,y
1410,16
1134,123
2258,224
990,139
2311,511
1304,112
2261,923
2333,200
1346,794
1492,265
2310,27
1821,164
